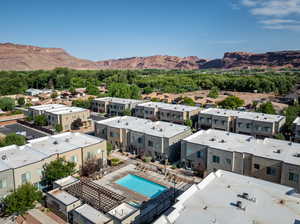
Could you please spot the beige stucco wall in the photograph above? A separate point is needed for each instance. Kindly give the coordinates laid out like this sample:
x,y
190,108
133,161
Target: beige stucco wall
x,y
7,177
262,172
286,169
34,169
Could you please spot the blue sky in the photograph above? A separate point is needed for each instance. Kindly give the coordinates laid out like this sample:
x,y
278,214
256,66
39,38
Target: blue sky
x,y
98,29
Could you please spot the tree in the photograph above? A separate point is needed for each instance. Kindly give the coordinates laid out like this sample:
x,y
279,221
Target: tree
x,y
147,90
57,169
232,102
127,112
92,90
89,167
109,148
82,103
266,108
58,128
54,95
72,90
22,200
291,113
13,139
41,120
188,123
7,104
123,90
188,101
155,99
77,124
21,101
214,93
279,136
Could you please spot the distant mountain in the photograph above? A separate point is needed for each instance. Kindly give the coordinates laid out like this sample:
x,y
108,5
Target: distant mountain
x,y
277,59
25,57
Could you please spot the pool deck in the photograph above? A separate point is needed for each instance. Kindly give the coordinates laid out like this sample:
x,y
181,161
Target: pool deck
x,y
110,179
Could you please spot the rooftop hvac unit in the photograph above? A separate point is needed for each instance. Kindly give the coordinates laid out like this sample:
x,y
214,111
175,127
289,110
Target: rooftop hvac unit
x,y
4,157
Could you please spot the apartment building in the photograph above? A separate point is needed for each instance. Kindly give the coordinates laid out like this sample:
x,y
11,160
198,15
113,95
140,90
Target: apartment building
x,y
22,164
250,123
175,113
269,159
225,197
62,115
114,106
158,139
296,128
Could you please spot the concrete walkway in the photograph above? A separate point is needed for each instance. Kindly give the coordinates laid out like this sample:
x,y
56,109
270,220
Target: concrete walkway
x,y
41,217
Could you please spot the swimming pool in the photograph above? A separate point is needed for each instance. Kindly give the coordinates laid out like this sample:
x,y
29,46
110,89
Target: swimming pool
x,y
141,185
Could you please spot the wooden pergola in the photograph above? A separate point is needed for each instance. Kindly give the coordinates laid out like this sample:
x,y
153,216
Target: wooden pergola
x,y
95,195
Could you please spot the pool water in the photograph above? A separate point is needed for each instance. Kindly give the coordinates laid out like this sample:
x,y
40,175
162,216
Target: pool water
x,y
141,185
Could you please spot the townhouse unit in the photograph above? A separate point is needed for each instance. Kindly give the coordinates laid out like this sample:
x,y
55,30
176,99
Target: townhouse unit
x,y
114,106
250,123
269,159
225,197
175,113
62,115
159,139
22,164
296,129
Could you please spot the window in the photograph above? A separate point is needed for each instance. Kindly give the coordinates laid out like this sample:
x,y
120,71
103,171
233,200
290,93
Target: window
x,y
216,121
200,154
150,143
216,159
239,124
74,159
294,177
3,183
248,125
139,140
111,134
228,161
223,123
271,171
25,177
256,166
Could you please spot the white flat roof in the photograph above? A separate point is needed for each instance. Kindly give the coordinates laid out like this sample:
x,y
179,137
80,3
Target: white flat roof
x,y
66,181
63,196
92,214
122,211
14,156
36,150
242,114
297,121
118,100
268,148
214,201
167,106
64,142
66,110
157,128
47,107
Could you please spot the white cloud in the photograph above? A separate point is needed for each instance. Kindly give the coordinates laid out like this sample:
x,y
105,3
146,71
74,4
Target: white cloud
x,y
278,21
275,14
276,8
283,27
249,3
